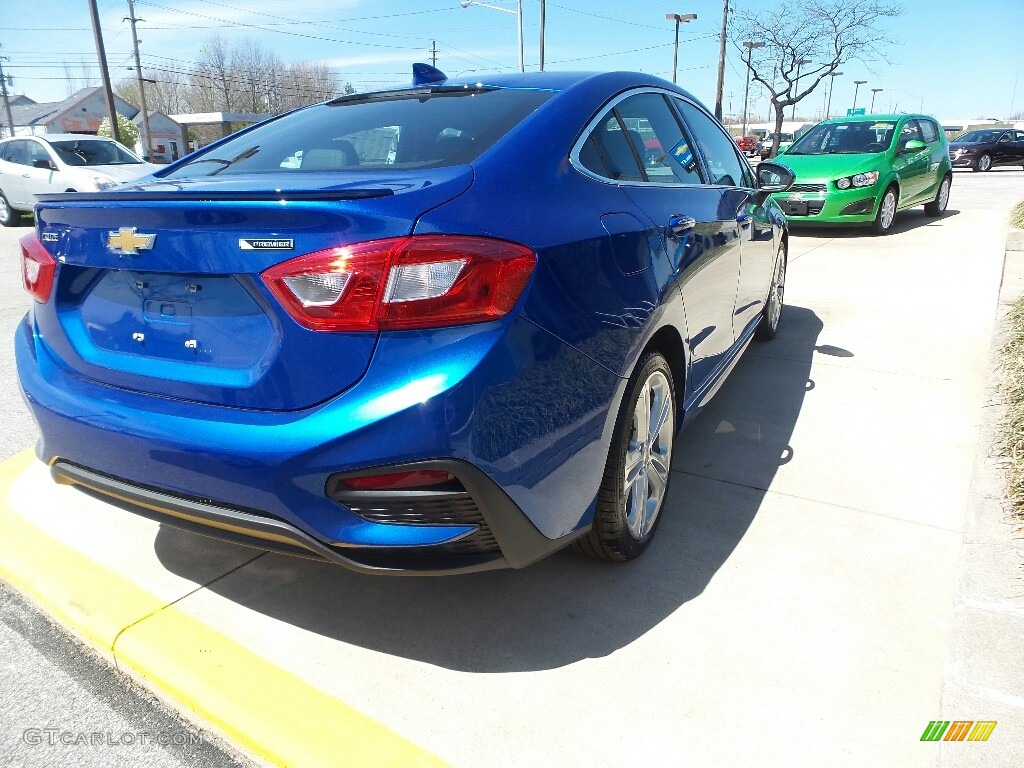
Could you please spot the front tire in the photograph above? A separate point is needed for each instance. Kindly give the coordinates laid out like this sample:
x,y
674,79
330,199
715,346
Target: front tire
x,y
637,472
982,164
886,212
938,206
768,326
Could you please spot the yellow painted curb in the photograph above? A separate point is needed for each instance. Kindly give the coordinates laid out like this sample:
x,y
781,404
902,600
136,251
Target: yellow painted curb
x,y
266,710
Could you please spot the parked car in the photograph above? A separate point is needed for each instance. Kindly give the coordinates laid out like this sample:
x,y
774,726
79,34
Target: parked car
x,y
747,144
862,170
61,162
769,141
985,149
414,357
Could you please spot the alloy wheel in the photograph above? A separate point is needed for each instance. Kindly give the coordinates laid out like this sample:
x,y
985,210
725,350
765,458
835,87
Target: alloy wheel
x,y
777,294
984,163
943,199
888,209
649,454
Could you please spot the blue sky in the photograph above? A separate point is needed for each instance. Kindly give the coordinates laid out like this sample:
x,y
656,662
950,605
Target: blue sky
x,y
953,60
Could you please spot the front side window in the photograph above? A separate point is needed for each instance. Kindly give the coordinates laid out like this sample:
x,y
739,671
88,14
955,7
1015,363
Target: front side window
x,y
910,132
719,150
400,130
36,153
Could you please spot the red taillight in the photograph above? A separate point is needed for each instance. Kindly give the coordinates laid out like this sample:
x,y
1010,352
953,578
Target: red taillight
x,y
396,481
427,281
37,267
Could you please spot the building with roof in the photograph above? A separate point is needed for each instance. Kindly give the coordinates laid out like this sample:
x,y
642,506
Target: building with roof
x,y
169,138
82,112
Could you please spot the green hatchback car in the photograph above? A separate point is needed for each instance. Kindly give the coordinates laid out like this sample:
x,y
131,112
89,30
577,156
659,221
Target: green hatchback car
x,y
862,170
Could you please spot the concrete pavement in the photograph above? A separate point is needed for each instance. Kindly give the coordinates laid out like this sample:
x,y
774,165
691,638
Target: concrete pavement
x,y
802,605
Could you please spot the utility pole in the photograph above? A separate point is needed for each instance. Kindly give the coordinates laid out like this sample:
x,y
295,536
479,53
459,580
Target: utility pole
x,y
721,60
147,137
101,54
7,102
433,51
543,13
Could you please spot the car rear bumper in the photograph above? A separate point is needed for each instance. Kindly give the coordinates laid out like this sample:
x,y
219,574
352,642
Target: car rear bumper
x,y
262,478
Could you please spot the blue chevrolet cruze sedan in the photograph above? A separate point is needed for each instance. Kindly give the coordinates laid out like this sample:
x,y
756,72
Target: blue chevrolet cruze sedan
x,y
443,328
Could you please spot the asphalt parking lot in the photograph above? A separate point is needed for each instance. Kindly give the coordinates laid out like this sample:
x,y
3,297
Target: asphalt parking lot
x,y
795,609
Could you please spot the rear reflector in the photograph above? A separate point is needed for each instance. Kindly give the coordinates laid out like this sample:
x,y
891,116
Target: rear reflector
x,y
428,281
37,267
421,478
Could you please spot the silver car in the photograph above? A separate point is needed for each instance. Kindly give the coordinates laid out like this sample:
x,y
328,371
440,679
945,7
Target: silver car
x,y
61,162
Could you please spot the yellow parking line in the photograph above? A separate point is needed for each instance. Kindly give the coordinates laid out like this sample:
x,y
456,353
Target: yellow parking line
x,y
266,710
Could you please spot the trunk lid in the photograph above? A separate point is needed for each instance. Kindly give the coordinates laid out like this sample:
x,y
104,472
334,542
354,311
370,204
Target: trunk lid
x,y
186,315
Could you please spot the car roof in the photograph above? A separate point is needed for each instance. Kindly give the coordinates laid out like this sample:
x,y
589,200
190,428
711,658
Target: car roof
x,y
874,118
48,137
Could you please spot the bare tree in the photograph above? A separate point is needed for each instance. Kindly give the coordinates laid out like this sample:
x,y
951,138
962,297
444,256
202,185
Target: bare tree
x,y
825,33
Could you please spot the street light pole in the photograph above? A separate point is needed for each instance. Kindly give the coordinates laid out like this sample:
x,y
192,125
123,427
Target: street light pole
x,y
750,46
796,83
519,14
856,87
678,19
828,106
873,92
720,85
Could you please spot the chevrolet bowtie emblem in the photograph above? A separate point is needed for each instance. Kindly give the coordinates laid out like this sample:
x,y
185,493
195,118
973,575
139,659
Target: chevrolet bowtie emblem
x,y
127,240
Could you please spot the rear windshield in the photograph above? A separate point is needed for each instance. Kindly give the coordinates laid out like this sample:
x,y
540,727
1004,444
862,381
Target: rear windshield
x,y
417,129
93,152
852,138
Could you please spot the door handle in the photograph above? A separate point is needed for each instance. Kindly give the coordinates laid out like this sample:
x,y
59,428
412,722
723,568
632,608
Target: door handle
x,y
26,176
679,224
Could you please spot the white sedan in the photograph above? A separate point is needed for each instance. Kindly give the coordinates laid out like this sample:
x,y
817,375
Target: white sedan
x,y
61,162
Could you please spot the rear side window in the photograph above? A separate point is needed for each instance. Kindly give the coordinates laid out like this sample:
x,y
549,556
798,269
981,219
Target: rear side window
x,y
428,128
17,152
640,139
928,130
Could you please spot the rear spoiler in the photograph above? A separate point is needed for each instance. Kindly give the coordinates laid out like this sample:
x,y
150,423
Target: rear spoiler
x,y
131,196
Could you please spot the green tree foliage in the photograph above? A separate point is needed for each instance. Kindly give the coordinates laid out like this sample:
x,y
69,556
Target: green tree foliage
x,y
128,130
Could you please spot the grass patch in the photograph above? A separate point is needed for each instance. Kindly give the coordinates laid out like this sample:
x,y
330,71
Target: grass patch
x,y
1012,389
1017,216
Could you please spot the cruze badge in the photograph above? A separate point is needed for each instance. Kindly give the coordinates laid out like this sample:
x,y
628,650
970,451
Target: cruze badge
x,y
128,241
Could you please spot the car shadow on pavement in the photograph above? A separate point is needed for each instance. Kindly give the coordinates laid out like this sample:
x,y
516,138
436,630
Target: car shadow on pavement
x,y
905,222
567,607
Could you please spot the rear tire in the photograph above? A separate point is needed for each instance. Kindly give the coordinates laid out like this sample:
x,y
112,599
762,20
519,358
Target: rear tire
x,y
937,207
637,473
772,312
982,164
886,212
8,216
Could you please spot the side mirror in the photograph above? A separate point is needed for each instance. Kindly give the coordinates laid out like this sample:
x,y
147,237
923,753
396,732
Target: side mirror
x,y
772,177
43,163
914,145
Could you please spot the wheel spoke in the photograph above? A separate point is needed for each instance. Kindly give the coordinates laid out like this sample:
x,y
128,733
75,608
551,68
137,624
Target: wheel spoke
x,y
666,406
642,415
659,466
634,463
